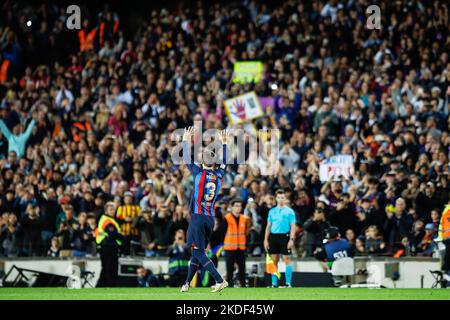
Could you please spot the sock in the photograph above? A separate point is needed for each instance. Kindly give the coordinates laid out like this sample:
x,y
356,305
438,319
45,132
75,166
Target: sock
x,y
213,271
288,274
193,267
207,264
274,280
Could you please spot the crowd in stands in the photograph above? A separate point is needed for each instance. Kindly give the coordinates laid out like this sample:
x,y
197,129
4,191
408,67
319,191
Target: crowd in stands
x,y
87,116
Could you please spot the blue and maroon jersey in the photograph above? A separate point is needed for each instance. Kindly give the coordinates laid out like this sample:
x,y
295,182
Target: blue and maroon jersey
x,y
207,184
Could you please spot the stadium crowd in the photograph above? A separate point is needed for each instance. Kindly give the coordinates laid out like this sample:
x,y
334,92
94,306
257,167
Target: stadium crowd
x,y
86,118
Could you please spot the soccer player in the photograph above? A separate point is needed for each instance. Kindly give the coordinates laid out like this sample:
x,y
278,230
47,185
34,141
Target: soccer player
x,y
279,235
207,183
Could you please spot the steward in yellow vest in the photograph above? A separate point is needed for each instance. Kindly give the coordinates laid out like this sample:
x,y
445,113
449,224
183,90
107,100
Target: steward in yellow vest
x,y
235,242
108,226
444,226
444,234
109,238
237,229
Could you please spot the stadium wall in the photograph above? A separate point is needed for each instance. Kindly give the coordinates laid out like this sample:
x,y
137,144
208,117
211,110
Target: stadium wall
x,y
412,272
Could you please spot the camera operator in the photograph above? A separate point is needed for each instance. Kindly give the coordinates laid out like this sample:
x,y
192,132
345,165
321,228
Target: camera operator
x,y
334,249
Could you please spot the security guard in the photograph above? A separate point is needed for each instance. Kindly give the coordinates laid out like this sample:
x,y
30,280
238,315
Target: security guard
x,y
109,238
235,242
444,235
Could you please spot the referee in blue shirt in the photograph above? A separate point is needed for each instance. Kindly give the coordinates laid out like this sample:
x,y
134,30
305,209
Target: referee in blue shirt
x,y
279,236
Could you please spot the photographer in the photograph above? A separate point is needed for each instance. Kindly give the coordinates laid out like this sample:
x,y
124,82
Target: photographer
x,y
334,249
374,244
179,256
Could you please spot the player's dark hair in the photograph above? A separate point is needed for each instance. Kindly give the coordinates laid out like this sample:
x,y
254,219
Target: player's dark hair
x,y
332,233
280,191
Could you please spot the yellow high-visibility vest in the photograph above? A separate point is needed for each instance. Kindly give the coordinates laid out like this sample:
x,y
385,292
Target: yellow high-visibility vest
x,y
104,222
87,41
236,235
444,226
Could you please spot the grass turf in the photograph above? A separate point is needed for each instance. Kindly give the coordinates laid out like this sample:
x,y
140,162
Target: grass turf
x,y
227,294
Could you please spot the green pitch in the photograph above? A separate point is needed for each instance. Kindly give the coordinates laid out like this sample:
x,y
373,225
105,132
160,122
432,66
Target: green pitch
x,y
227,294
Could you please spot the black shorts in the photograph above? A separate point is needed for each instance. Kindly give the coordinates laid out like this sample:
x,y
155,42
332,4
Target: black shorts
x,y
199,231
278,243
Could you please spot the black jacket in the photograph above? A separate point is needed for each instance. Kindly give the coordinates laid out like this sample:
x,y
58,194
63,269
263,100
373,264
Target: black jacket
x,y
396,228
146,230
49,210
315,233
344,219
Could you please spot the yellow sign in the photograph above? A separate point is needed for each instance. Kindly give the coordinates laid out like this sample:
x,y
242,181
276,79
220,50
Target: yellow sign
x,y
247,71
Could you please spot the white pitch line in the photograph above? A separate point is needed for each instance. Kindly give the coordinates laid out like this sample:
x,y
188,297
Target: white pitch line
x,y
108,294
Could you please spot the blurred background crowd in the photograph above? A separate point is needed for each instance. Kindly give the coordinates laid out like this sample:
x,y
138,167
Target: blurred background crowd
x,y
86,118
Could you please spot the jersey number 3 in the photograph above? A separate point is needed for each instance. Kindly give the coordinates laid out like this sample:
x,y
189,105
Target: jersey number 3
x,y
210,191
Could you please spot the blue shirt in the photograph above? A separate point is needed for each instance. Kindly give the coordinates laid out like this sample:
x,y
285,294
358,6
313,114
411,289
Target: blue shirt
x,y
207,184
147,281
17,143
280,219
337,249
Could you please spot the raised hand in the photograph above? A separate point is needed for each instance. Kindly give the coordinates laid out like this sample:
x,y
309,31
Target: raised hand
x,y
188,133
224,135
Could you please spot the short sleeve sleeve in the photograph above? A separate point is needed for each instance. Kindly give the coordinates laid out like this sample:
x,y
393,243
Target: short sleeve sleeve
x,y
292,217
270,216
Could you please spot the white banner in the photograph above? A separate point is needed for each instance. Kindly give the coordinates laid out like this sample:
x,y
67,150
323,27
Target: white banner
x,y
336,166
243,108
